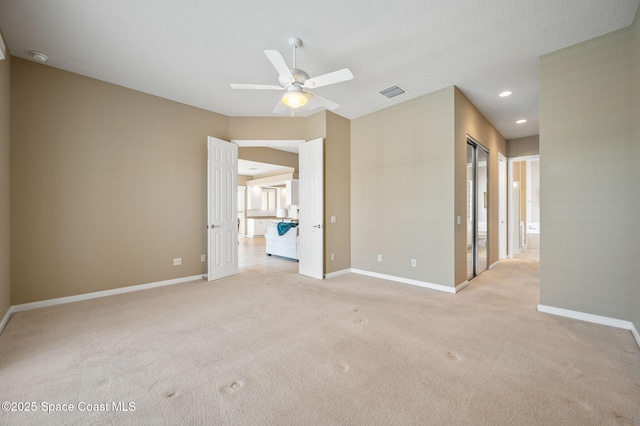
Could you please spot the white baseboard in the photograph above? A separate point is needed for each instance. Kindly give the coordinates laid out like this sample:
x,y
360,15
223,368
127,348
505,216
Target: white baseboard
x,y
636,334
88,296
496,263
337,273
5,319
597,319
462,286
424,284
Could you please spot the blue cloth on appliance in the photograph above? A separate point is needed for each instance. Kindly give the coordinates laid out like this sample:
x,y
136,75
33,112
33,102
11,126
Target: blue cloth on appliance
x,y
283,227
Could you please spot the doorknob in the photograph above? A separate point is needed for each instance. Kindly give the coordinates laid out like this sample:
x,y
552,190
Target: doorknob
x,y
318,226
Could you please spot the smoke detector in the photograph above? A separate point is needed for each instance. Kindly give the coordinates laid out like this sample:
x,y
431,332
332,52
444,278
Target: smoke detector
x,y
38,56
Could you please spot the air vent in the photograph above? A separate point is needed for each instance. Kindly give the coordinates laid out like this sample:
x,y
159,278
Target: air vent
x,y
393,91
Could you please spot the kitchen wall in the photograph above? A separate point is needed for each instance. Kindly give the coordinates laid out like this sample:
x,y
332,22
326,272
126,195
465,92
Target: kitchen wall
x,y
5,185
269,156
587,174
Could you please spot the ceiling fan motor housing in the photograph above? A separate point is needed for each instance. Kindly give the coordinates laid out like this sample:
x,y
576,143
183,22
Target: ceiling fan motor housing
x,y
299,76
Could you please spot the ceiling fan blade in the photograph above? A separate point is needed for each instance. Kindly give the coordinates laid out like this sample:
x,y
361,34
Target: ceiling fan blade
x,y
331,78
256,86
316,101
281,107
279,64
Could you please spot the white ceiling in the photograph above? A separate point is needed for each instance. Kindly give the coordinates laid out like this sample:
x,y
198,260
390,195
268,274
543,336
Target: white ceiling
x,y
189,51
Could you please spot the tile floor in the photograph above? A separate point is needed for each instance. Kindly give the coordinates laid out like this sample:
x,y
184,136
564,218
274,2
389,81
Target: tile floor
x,y
252,257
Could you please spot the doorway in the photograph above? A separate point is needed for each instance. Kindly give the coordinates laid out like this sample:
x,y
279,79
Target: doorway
x,y
502,207
274,202
524,205
477,208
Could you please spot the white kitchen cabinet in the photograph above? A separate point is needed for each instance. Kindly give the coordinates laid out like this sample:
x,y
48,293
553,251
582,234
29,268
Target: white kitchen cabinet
x,y
257,227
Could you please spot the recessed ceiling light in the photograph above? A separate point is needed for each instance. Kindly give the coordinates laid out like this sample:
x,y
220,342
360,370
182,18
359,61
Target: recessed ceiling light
x,y
505,94
521,121
253,168
38,56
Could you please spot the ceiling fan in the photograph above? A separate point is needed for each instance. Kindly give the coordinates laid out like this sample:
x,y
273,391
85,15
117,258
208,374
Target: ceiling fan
x,y
295,81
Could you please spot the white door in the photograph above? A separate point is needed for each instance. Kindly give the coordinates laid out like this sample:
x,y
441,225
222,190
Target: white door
x,y
502,206
222,194
311,197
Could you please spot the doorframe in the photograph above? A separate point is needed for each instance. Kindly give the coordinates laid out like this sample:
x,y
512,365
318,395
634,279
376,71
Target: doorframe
x,y
503,209
472,141
267,143
511,246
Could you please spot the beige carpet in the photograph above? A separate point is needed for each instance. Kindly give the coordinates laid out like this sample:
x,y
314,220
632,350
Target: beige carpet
x,y
283,349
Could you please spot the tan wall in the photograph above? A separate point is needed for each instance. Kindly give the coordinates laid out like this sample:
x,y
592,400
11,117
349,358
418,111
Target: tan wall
x,y
5,191
268,128
469,121
523,147
636,160
269,156
402,186
317,126
337,181
586,177
109,184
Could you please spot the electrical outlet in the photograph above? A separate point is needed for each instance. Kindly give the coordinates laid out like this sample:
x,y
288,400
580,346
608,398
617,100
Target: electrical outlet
x,y
379,258
413,263
333,256
203,258
177,261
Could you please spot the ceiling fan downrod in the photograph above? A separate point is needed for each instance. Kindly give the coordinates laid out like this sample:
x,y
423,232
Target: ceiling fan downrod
x,y
294,42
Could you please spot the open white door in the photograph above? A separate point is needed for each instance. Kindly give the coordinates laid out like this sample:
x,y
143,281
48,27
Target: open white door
x,y
222,194
311,248
502,206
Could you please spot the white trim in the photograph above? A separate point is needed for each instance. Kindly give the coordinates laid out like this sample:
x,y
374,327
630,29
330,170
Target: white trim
x,y
2,56
635,333
533,157
597,319
424,284
93,295
337,273
496,263
503,205
462,286
5,320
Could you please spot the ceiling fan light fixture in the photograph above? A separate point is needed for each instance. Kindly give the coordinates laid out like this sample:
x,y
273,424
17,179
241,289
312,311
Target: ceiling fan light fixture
x,y
294,99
